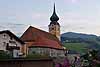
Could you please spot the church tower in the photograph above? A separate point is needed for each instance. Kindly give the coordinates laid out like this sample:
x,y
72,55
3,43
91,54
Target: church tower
x,y
54,26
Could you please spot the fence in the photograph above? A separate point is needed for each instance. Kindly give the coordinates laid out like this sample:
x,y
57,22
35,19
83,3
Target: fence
x,y
26,63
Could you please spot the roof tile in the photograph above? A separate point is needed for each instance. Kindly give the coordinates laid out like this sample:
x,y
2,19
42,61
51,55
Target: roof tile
x,y
37,37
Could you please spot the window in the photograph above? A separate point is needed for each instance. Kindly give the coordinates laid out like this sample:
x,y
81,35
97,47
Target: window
x,y
11,38
52,28
52,25
12,43
33,52
4,36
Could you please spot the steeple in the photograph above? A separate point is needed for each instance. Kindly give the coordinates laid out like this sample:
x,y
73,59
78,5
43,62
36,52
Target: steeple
x,y
54,26
54,16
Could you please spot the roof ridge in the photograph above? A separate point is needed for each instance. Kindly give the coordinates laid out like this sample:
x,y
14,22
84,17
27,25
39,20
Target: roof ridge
x,y
11,34
44,31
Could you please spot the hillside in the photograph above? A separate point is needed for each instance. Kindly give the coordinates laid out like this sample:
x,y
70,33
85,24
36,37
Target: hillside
x,y
80,42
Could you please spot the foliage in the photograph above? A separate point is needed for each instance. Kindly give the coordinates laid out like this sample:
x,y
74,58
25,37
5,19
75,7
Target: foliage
x,y
36,56
4,55
90,56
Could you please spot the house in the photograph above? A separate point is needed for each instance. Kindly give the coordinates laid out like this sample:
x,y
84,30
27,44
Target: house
x,y
10,43
41,42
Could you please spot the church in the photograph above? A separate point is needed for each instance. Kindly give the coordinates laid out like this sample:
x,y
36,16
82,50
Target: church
x,y
41,42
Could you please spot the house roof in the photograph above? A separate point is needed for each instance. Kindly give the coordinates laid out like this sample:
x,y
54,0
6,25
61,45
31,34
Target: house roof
x,y
37,37
44,42
12,35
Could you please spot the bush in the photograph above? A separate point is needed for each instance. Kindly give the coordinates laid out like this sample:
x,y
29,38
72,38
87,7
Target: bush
x,y
35,56
4,55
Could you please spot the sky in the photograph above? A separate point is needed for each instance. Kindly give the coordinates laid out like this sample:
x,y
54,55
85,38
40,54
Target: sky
x,y
82,16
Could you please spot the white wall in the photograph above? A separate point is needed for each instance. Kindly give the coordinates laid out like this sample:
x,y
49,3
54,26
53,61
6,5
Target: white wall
x,y
4,39
47,51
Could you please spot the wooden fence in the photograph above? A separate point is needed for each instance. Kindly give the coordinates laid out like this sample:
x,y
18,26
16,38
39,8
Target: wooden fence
x,y
27,63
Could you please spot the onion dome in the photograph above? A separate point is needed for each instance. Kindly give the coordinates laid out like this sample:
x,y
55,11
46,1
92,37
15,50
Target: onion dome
x,y
54,16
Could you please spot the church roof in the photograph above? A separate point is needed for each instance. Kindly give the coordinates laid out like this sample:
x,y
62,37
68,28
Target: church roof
x,y
37,37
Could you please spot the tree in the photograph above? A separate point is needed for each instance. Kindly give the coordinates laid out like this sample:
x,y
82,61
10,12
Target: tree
x,y
90,56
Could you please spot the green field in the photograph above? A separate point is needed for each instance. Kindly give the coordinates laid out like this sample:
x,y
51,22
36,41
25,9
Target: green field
x,y
79,47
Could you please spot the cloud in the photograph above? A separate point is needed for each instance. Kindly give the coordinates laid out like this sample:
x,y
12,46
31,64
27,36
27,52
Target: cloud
x,y
77,22
18,22
18,29
76,15
39,15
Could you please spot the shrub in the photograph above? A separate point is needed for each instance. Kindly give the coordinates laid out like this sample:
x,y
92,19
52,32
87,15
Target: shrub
x,y
35,56
4,55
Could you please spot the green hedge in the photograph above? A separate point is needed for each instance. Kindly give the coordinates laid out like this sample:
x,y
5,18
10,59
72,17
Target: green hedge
x,y
35,56
4,55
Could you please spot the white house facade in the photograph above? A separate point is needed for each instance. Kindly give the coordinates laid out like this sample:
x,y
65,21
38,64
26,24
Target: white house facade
x,y
10,43
52,52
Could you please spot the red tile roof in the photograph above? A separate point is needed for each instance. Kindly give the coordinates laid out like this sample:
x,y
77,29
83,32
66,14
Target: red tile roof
x,y
37,37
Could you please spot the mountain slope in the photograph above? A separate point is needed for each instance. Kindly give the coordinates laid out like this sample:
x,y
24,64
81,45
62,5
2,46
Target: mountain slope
x,y
80,42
